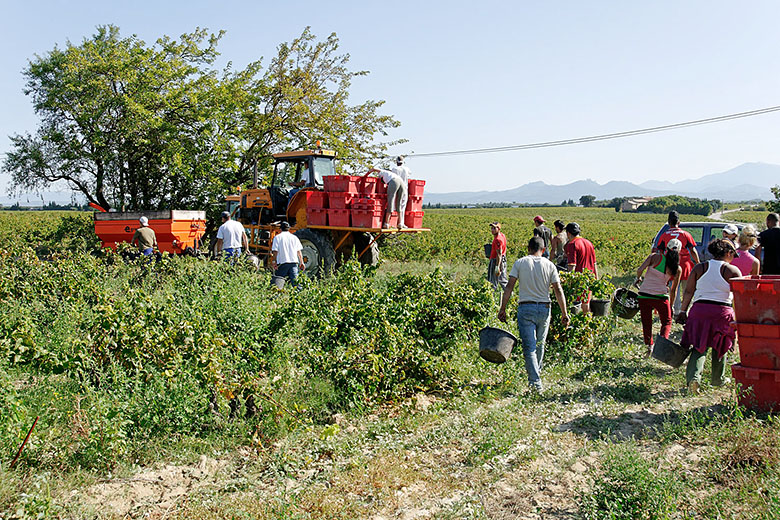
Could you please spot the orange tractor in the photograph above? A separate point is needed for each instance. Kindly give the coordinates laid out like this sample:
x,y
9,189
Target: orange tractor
x,y
334,216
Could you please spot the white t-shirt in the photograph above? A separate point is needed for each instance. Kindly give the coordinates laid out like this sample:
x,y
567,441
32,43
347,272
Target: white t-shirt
x,y
388,175
287,246
231,232
402,171
535,275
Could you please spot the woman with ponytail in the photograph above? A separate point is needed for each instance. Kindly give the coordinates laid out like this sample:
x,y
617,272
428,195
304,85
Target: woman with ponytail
x,y
663,270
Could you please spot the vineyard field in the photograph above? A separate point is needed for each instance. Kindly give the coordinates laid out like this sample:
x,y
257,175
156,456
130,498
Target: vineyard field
x,y
191,388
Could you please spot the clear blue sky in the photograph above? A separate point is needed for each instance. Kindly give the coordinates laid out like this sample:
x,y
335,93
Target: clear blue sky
x,y
470,74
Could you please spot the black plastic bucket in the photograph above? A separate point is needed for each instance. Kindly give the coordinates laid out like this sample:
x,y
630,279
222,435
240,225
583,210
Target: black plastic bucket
x,y
488,250
599,307
669,352
625,303
495,345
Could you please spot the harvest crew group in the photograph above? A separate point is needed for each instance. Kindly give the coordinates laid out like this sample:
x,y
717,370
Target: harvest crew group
x,y
672,272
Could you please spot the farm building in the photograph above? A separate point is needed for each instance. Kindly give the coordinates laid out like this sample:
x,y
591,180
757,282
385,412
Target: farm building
x,y
635,203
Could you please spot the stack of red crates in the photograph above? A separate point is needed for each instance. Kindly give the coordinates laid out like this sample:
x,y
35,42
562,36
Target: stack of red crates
x,y
757,309
361,202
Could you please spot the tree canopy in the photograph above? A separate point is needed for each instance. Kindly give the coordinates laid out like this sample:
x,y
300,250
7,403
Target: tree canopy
x,y
157,126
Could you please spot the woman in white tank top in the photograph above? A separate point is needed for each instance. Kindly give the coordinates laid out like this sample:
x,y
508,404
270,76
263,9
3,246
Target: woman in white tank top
x,y
709,323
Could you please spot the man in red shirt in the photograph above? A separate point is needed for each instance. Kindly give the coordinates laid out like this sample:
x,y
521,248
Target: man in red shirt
x,y
689,257
580,255
497,265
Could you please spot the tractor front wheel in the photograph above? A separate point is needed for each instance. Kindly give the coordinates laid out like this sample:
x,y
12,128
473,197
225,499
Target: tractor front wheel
x,y
318,254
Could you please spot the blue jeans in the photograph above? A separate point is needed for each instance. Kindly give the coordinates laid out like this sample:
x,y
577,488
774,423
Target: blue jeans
x,y
288,270
533,320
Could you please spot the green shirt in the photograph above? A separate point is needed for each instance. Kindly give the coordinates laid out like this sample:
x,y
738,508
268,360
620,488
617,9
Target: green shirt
x,y
145,236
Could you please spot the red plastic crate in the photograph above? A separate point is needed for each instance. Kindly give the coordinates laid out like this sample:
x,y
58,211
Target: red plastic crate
x,y
760,388
316,199
759,345
341,183
338,217
368,185
416,187
413,219
365,203
414,204
366,218
317,216
339,200
393,222
757,299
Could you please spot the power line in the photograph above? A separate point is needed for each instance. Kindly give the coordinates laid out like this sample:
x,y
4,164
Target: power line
x,y
602,137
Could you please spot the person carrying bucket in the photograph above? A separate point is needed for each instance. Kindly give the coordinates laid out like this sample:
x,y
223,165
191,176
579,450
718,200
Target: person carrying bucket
x,y
536,275
663,269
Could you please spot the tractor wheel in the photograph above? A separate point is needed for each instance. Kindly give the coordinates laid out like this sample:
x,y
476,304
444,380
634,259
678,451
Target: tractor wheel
x,y
318,254
370,257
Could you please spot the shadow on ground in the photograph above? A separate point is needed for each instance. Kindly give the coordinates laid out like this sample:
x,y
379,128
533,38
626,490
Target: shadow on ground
x,y
645,424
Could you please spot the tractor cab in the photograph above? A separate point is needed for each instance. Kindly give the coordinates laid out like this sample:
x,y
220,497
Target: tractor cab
x,y
294,171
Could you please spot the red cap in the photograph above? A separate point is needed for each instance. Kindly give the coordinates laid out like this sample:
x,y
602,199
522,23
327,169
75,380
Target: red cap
x,y
538,218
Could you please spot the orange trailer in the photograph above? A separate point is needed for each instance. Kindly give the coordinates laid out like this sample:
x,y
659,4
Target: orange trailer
x,y
175,229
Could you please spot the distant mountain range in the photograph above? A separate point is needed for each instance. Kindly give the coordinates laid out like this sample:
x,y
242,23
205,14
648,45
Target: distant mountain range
x,y
749,181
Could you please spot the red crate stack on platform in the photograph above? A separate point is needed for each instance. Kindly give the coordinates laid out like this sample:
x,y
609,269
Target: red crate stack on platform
x,y
365,201
757,309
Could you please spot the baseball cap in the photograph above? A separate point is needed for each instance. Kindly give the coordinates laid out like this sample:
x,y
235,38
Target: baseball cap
x,y
144,221
225,214
538,218
573,228
496,225
731,229
674,245
284,226
399,160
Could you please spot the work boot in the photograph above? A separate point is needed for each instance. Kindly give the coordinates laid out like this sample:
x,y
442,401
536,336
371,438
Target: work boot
x,y
693,388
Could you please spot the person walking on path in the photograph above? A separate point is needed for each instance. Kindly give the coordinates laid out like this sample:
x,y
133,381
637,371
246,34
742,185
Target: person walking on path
x,y
769,244
144,237
544,232
747,264
662,269
231,237
689,256
497,265
581,256
396,192
709,323
558,242
536,275
286,256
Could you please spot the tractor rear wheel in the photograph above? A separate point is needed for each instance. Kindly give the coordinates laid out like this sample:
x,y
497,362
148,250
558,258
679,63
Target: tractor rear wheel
x,y
318,254
371,256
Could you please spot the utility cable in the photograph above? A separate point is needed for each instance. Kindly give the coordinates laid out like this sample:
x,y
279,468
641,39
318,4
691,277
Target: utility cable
x,y
601,137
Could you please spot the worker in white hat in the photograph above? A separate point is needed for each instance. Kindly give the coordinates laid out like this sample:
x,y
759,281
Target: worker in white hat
x,y
144,237
730,231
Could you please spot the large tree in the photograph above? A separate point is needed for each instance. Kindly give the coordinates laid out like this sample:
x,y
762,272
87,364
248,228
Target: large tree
x,y
144,127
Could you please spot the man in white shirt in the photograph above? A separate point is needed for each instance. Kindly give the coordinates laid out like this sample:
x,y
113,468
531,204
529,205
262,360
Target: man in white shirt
x,y
286,256
231,237
536,274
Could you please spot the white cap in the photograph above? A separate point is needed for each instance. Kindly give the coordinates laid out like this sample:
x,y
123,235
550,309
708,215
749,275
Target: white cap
x,y
731,229
674,245
144,221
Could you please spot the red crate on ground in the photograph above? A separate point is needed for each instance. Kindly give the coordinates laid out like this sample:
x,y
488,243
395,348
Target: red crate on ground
x,y
416,187
759,345
760,388
368,185
757,299
339,200
413,219
414,204
316,199
338,217
341,183
367,218
317,216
